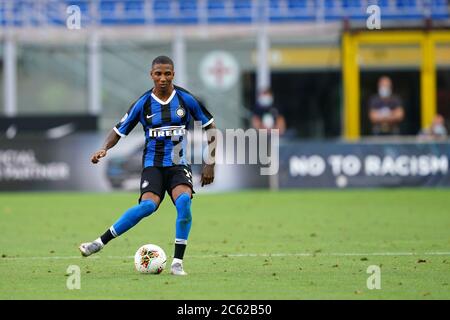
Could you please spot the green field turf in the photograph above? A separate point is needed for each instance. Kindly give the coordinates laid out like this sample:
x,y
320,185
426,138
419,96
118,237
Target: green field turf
x,y
246,245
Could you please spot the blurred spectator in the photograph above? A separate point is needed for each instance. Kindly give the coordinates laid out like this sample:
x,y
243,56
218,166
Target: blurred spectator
x,y
385,109
266,114
436,131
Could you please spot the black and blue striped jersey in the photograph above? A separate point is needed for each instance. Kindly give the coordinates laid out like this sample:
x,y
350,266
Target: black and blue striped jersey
x,y
165,124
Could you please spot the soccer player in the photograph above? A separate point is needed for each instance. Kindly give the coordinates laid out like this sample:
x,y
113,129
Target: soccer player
x,y
164,112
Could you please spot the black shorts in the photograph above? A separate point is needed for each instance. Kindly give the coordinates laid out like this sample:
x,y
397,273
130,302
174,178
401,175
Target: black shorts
x,y
161,179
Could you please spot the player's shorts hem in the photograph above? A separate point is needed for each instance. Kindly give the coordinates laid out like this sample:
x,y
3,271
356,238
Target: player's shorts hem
x,y
179,184
160,180
161,197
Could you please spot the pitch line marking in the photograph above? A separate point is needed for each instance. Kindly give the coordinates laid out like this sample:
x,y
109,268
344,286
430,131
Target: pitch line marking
x,y
248,255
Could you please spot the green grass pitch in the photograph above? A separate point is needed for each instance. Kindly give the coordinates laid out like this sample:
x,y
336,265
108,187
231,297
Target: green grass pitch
x,y
247,245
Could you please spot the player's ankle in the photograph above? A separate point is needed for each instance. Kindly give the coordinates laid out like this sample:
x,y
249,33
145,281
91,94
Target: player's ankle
x,y
99,241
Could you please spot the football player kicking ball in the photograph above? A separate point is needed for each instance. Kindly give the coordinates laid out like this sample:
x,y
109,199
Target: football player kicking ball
x,y
164,112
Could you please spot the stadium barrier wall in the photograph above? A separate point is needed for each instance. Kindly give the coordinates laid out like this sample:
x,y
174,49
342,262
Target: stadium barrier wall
x,y
41,163
49,124
364,165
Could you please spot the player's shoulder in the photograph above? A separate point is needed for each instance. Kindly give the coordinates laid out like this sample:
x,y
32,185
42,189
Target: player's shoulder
x,y
182,90
145,95
139,102
142,98
185,94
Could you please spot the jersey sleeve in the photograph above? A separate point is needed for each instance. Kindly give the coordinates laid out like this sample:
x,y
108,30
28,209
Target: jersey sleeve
x,y
131,118
199,111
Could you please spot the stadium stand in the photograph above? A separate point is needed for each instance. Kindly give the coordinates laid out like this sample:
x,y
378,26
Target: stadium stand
x,y
142,12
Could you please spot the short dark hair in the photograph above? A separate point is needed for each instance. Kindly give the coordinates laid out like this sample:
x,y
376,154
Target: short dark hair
x,y
162,60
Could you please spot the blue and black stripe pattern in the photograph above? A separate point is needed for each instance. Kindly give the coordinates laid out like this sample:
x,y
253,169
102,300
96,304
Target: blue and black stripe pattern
x,y
165,124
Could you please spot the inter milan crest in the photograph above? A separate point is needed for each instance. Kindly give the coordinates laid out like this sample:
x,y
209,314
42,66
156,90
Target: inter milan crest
x,y
181,112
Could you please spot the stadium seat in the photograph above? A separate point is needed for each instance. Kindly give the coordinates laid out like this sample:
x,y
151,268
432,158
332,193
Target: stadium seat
x,y
135,12
440,9
243,11
409,9
297,4
188,11
107,10
217,12
301,10
332,10
162,12
355,9
122,12
277,12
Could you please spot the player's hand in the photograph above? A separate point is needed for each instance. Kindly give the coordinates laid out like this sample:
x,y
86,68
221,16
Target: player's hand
x,y
207,174
98,155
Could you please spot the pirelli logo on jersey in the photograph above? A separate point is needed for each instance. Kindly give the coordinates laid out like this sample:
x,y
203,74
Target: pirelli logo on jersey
x,y
169,131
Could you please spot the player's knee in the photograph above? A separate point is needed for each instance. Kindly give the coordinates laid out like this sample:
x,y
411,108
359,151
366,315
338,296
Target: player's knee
x,y
183,204
147,207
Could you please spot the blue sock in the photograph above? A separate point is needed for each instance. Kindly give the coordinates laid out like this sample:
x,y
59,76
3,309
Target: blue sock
x,y
132,216
184,216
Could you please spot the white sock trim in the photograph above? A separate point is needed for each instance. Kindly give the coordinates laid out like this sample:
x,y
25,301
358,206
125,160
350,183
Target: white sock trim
x,y
114,233
180,241
175,260
99,240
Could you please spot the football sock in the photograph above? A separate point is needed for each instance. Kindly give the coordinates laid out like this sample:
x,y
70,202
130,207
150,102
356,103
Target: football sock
x,y
179,250
106,237
183,224
129,219
184,216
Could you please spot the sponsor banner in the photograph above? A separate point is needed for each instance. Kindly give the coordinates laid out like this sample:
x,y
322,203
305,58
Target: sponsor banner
x,y
37,163
52,126
341,165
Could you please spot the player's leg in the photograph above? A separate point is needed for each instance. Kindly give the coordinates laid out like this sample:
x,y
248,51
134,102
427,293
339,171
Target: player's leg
x,y
181,196
181,193
148,203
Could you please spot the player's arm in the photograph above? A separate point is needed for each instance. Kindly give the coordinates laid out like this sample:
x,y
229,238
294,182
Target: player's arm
x,y
200,113
122,129
111,141
208,169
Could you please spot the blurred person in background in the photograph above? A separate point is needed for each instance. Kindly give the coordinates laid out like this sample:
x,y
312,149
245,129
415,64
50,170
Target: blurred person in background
x,y
385,109
266,114
436,131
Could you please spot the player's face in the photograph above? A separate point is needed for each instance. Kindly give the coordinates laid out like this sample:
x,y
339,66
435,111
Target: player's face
x,y
162,75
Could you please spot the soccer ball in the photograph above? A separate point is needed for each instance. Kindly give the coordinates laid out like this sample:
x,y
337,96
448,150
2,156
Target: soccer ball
x,y
150,259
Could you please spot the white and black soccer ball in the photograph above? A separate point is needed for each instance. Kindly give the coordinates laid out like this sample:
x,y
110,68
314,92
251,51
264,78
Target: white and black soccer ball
x,y
150,258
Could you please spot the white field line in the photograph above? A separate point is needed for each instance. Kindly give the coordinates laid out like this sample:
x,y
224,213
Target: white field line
x,y
249,255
